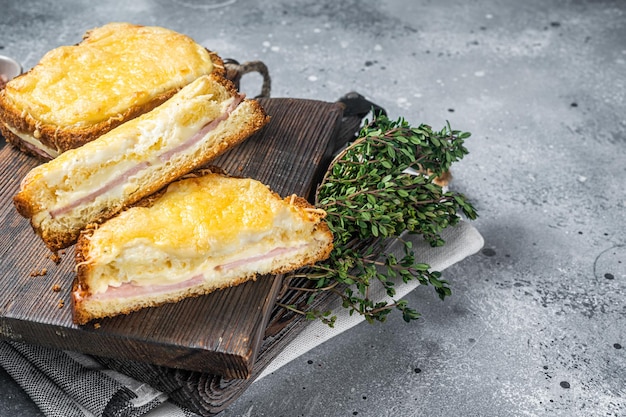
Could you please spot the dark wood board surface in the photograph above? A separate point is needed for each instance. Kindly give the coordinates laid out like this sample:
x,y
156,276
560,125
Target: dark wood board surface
x,y
219,333
209,394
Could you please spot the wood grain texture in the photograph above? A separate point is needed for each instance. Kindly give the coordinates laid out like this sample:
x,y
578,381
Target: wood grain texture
x,y
209,394
220,333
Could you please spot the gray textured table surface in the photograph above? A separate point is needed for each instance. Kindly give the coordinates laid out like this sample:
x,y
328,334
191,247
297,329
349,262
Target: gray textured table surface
x,y
537,320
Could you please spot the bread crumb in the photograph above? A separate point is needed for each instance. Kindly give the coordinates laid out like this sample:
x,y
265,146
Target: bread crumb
x,y
39,273
96,325
61,303
54,257
56,288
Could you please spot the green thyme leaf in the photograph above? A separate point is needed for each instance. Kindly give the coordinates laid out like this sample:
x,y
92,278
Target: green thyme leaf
x,y
370,199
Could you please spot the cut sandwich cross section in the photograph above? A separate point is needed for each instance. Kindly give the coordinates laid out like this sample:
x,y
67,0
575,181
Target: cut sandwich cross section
x,y
205,232
94,182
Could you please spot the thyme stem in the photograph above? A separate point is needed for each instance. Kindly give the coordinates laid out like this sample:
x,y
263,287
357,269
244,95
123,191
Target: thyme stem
x,y
369,199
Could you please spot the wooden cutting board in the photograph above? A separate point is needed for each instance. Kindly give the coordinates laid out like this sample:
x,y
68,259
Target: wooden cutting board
x,y
219,333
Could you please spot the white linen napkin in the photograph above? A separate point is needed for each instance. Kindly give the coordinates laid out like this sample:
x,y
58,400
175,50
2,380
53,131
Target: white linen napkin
x,y
70,384
462,240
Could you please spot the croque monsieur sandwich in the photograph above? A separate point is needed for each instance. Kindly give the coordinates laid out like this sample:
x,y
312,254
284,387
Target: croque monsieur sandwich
x,y
94,182
117,72
204,232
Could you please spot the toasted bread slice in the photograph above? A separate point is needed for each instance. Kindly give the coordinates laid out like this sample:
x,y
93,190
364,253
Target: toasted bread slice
x,y
203,233
94,182
77,93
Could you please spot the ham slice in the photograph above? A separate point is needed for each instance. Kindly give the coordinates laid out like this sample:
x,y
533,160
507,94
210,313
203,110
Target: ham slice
x,y
164,157
128,290
29,147
271,254
98,192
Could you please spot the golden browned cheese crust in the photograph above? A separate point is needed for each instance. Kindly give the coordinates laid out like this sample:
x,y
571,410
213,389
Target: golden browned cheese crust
x,y
19,117
85,310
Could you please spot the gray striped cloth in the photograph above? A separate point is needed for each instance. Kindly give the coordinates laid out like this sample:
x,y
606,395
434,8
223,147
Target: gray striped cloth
x,y
68,384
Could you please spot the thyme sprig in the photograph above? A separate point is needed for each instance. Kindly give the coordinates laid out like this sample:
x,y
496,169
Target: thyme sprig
x,y
381,186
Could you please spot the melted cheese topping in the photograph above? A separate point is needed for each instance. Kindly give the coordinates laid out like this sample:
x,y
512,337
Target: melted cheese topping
x,y
195,215
78,172
118,66
198,225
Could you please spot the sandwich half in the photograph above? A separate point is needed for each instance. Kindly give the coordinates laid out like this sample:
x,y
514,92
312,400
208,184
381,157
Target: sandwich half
x,y
204,232
117,72
94,182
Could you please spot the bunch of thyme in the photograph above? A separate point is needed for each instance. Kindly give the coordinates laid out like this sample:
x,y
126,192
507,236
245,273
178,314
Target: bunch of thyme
x,y
379,187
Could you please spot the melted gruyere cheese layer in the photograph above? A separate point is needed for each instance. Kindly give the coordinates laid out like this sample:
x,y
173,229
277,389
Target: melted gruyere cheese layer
x,y
194,215
118,66
198,225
